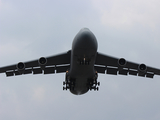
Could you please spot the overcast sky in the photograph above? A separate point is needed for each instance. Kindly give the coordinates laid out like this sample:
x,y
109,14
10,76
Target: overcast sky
x,y
30,29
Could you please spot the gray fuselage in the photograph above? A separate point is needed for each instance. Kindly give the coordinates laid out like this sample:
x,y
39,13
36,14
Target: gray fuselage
x,y
83,55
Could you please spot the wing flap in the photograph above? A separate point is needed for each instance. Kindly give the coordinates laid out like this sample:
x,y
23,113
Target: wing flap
x,y
8,74
141,74
112,71
150,75
17,73
49,70
37,71
133,72
28,71
123,72
100,69
61,69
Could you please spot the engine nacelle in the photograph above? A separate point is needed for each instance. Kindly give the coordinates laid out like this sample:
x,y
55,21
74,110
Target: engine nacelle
x,y
20,67
42,62
142,68
122,62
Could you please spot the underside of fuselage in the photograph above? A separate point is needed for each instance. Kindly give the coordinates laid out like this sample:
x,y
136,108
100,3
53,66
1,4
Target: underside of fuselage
x,y
81,76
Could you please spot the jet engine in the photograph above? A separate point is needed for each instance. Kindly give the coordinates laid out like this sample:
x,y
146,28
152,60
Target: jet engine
x,y
122,62
142,68
20,67
42,62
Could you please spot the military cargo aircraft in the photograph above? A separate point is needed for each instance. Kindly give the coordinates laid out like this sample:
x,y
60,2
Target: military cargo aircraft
x,y
81,64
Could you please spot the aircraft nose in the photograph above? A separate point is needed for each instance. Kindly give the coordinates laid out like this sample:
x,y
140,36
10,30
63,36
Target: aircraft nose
x,y
85,43
85,39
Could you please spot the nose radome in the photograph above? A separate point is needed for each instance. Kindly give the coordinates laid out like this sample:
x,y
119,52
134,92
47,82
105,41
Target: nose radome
x,y
85,29
84,39
87,39
84,44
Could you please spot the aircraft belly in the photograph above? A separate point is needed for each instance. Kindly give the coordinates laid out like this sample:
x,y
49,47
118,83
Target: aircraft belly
x,y
80,86
81,74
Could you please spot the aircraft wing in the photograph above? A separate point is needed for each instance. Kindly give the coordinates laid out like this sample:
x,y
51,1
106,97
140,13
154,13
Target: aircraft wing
x,y
111,65
59,63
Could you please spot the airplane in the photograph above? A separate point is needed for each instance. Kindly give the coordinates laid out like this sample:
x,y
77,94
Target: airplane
x,y
81,64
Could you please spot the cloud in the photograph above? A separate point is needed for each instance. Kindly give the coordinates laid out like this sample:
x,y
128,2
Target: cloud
x,y
125,14
38,94
31,29
13,48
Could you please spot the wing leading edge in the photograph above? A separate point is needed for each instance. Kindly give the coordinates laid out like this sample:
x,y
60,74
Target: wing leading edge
x,y
59,63
110,65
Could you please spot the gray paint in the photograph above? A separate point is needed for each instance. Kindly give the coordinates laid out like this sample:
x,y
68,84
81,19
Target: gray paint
x,y
84,46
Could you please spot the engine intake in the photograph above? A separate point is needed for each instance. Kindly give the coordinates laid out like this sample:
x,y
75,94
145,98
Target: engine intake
x,y
122,62
142,67
42,62
20,67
